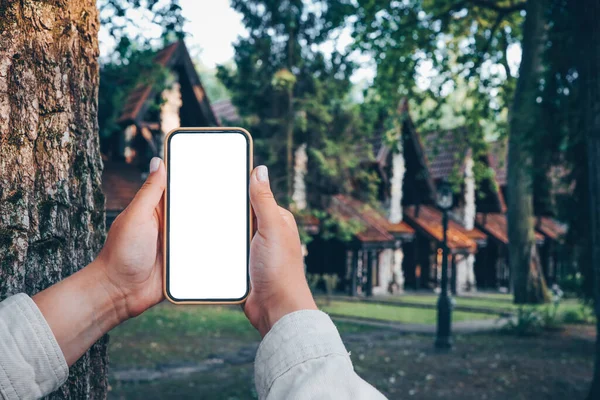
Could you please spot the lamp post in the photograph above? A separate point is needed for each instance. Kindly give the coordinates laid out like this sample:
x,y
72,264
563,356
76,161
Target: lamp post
x,y
444,318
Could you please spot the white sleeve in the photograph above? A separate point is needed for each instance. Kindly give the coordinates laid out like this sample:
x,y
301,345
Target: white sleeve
x,y
303,357
32,364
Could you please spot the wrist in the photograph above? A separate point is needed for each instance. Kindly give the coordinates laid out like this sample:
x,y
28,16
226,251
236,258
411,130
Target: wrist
x,y
114,297
286,305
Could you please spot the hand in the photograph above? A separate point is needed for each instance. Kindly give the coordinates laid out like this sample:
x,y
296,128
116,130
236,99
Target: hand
x,y
276,264
123,281
132,257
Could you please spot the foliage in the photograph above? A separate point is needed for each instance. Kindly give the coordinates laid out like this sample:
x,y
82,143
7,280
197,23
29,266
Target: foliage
x,y
117,80
313,281
283,82
334,226
124,19
451,60
215,90
331,281
527,322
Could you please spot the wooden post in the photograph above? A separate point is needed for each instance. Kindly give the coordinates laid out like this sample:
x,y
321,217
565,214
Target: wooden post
x,y
454,274
353,273
370,261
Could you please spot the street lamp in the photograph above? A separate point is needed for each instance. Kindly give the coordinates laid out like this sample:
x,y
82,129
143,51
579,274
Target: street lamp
x,y
444,318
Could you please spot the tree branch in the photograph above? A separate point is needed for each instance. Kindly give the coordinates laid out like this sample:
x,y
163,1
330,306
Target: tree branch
x,y
490,4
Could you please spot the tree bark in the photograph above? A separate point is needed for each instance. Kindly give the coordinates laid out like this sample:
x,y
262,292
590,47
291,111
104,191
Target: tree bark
x,y
51,203
588,62
528,280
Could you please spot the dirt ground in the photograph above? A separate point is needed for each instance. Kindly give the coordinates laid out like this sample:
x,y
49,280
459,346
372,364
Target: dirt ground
x,y
555,365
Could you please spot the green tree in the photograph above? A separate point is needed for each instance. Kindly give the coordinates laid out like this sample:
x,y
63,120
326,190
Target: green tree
x,y
290,92
465,46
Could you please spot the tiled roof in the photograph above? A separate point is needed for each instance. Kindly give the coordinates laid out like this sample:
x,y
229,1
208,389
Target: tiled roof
x,y
446,152
309,222
225,111
429,220
498,152
551,228
343,207
401,229
139,95
495,225
120,183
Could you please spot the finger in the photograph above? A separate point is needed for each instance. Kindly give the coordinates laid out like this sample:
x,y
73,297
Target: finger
x,y
264,204
151,192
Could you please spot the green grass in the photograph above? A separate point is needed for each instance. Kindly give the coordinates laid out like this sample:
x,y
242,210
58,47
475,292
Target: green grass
x,y
395,314
168,334
494,301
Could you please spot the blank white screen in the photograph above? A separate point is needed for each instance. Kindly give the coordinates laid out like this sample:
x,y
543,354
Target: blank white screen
x,y
208,231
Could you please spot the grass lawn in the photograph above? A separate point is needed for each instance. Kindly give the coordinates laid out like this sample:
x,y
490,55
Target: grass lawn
x,y
169,333
494,301
396,314
551,366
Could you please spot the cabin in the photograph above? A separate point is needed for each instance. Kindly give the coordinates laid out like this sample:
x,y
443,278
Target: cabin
x,y
436,157
143,128
491,219
400,245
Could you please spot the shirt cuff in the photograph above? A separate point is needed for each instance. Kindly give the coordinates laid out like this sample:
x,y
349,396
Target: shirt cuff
x,y
296,338
31,361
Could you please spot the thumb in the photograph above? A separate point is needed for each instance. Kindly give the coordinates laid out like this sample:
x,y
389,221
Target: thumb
x,y
264,204
152,190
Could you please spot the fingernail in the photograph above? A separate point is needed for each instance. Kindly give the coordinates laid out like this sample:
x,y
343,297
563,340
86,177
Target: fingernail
x,y
262,173
154,164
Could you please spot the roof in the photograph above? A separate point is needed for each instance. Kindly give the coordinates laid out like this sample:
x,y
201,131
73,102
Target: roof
x,y
307,221
399,230
445,152
225,111
344,208
498,152
551,228
171,56
120,183
429,221
495,225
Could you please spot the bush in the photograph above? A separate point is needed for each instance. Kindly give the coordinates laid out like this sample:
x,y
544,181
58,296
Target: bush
x,y
313,281
331,282
527,322
584,315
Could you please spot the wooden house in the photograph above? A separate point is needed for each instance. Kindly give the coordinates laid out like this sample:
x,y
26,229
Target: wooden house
x,y
400,245
491,218
184,104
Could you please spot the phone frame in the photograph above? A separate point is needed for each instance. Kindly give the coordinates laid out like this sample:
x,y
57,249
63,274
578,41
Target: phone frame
x,y
225,130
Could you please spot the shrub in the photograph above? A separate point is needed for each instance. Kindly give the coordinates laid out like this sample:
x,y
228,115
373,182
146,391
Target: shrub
x,y
313,281
331,282
527,322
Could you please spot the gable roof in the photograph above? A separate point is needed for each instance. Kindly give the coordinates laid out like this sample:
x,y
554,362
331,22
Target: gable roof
x,y
399,230
428,219
495,225
343,207
445,152
551,228
176,57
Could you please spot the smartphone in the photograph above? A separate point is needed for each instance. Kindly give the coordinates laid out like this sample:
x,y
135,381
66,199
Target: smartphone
x,y
208,222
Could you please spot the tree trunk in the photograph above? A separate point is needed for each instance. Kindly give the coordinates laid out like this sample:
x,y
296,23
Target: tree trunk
x,y
528,280
587,14
51,203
